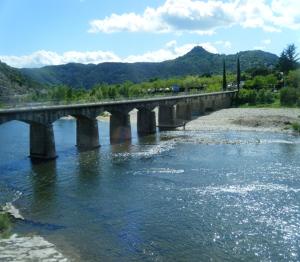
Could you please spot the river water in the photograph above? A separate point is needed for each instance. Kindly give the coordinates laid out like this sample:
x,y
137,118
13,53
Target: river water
x,y
173,196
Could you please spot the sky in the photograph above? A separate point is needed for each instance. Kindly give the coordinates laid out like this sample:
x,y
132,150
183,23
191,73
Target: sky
x,y
35,33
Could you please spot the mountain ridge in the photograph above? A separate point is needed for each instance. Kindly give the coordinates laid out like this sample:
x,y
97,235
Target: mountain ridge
x,y
198,61
14,82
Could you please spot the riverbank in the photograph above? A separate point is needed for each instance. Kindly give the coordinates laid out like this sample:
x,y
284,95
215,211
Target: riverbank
x,y
236,119
247,119
14,247
28,248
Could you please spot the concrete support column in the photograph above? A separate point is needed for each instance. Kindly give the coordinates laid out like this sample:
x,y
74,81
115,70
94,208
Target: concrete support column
x,y
87,133
183,111
209,105
218,102
202,107
166,117
213,104
146,123
42,144
195,108
120,128
228,100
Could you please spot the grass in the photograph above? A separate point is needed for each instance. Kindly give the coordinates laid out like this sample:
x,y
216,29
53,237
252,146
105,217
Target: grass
x,y
296,127
5,225
275,104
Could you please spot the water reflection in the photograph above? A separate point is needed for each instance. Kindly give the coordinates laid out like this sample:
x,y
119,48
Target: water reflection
x,y
88,171
148,140
177,195
43,180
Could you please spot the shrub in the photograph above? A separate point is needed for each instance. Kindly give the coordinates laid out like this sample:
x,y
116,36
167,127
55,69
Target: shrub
x,y
296,127
288,96
247,97
5,225
265,97
293,79
260,82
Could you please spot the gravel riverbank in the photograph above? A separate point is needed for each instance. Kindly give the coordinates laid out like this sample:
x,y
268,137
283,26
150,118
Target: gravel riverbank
x,y
247,119
238,119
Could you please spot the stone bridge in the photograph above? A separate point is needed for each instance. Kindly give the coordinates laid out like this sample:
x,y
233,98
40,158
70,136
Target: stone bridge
x,y
173,111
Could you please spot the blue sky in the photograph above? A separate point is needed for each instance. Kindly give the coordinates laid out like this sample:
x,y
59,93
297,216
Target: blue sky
x,y
35,33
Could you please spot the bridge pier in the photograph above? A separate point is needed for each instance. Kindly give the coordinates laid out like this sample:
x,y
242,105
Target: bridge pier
x,y
146,122
227,100
42,143
195,108
184,111
166,117
120,128
202,107
87,136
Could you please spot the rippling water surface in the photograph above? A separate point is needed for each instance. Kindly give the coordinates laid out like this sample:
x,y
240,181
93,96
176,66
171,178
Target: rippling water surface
x,y
175,196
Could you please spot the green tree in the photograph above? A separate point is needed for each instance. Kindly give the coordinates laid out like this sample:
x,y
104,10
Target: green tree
x,y
293,78
288,96
224,75
288,59
238,73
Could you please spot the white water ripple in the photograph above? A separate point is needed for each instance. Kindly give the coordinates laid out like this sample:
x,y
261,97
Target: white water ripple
x,y
242,189
12,210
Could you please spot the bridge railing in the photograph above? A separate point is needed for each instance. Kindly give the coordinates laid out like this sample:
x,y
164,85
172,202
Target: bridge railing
x,y
21,101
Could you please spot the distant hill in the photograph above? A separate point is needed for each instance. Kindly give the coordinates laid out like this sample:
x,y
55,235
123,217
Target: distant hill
x,y
14,82
196,62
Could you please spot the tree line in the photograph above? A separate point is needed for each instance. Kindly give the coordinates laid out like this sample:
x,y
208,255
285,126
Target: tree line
x,y
270,85
260,85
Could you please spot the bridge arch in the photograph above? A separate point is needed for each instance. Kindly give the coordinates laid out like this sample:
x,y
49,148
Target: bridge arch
x,y
41,118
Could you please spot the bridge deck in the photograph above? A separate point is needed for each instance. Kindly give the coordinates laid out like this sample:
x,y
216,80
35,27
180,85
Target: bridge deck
x,y
108,103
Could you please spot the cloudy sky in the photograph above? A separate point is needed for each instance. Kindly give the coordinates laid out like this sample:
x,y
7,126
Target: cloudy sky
x,y
35,33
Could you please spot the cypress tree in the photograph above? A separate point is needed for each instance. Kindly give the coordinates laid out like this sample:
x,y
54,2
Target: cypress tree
x,y
238,73
224,76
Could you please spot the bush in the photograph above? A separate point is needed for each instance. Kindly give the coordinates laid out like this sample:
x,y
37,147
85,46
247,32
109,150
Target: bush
x,y
296,127
247,97
293,79
265,97
261,82
5,225
288,96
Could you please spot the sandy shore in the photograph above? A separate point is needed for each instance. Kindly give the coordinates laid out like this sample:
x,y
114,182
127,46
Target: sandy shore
x,y
247,119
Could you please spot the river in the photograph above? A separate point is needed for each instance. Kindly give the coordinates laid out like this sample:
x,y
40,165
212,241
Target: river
x,y
173,196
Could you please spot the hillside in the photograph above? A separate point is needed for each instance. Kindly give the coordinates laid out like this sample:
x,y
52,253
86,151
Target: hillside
x,y
196,62
13,82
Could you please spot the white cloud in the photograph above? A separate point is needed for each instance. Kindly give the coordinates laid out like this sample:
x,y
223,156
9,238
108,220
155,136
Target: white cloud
x,y
226,44
42,58
173,16
204,17
266,41
170,51
259,47
263,44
